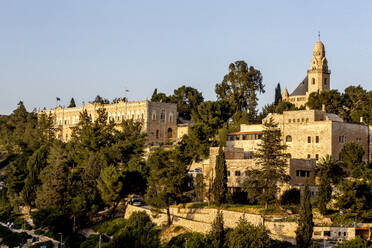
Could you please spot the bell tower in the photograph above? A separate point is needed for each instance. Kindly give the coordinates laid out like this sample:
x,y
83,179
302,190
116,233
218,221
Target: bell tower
x,y
318,75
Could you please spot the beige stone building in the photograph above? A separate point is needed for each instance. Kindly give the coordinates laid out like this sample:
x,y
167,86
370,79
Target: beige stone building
x,y
309,135
159,119
317,79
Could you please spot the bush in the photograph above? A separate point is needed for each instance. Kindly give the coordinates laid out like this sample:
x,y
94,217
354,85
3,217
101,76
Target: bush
x,y
12,239
291,196
358,242
138,232
54,219
111,227
187,240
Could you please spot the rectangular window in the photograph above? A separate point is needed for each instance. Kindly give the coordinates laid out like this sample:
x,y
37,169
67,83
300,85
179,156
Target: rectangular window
x,y
316,156
317,139
308,156
307,173
237,173
327,233
228,173
308,139
297,173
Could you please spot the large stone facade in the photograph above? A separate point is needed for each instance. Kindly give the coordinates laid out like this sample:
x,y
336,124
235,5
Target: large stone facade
x,y
317,79
310,135
159,119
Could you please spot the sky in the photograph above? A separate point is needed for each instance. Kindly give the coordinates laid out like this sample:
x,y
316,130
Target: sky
x,y
83,48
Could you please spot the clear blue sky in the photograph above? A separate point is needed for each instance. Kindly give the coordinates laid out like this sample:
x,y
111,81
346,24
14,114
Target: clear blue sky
x,y
83,48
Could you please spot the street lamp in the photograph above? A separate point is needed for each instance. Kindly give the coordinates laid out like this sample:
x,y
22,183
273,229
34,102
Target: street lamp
x,y
61,239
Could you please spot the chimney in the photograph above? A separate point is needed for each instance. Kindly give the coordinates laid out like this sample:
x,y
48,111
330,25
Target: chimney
x,y
324,107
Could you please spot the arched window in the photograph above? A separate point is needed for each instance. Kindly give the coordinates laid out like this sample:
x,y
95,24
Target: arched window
x,y
325,81
170,117
170,133
157,134
288,139
162,115
313,81
154,116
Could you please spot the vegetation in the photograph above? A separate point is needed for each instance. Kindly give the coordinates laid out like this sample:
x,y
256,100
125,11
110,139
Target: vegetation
x,y
219,186
355,243
262,184
305,228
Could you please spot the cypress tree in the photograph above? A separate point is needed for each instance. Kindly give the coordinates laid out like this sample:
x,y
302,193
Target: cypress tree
x,y
278,94
219,187
304,231
217,233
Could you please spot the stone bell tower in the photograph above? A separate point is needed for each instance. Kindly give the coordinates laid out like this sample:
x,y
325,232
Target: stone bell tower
x,y
318,75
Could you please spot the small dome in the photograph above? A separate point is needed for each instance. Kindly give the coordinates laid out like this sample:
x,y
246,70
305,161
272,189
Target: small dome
x,y
319,49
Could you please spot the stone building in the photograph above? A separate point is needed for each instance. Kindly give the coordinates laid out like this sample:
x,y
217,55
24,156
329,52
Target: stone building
x,y
317,79
309,135
159,119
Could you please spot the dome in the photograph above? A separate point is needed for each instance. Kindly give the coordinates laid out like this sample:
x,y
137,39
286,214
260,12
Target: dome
x,y
319,49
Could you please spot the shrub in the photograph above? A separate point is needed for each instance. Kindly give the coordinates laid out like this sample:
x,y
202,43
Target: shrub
x,y
187,240
47,244
358,242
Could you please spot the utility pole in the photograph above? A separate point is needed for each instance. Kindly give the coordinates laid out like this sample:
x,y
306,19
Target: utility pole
x,y
100,241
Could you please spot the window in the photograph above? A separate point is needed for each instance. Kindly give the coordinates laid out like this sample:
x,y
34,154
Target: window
x,y
298,120
237,173
316,156
342,139
302,173
288,139
359,140
344,234
153,116
289,121
308,139
316,139
317,233
327,233
302,120
313,81
308,156
170,117
325,81
162,115
307,119
170,133
157,134
294,120
228,173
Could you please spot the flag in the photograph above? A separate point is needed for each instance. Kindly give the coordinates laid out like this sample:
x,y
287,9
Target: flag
x,y
58,99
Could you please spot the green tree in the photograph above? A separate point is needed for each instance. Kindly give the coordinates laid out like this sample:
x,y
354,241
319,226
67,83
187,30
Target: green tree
x,y
240,88
168,180
305,227
187,99
246,235
217,234
199,187
352,157
36,163
262,184
219,187
332,100
159,97
278,94
111,186
330,172
54,180
139,232
72,103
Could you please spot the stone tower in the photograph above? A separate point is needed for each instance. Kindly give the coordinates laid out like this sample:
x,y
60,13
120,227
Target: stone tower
x,y
318,76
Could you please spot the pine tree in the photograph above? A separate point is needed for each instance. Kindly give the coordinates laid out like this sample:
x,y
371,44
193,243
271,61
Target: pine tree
x,y
304,231
72,103
262,184
219,187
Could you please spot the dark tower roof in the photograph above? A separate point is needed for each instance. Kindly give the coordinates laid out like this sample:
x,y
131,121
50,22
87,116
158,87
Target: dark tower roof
x,y
301,89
